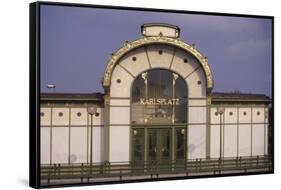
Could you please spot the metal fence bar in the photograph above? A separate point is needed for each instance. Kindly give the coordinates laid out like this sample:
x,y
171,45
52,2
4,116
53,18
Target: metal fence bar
x,y
152,168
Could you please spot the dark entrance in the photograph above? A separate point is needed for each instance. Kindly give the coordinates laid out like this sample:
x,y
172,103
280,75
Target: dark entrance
x,y
159,145
159,149
158,120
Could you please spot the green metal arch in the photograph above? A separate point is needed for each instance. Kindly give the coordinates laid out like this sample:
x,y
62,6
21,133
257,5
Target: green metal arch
x,y
129,46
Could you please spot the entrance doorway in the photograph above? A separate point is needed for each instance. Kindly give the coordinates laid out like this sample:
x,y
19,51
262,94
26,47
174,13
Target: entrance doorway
x,y
158,120
158,145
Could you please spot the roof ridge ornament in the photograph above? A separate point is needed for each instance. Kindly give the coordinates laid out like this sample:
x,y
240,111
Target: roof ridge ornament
x,y
160,29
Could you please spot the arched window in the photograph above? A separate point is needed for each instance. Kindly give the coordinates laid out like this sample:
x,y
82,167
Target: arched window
x,y
159,96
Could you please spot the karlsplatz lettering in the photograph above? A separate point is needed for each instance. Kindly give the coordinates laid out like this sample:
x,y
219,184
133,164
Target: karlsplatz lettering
x,y
159,101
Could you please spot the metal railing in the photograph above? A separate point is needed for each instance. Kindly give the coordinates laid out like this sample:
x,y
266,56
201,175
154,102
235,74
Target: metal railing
x,y
154,168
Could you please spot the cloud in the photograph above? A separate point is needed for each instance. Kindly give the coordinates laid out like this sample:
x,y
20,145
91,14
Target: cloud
x,y
250,50
220,23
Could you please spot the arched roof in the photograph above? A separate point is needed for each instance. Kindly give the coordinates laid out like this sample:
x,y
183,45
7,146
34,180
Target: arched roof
x,y
145,40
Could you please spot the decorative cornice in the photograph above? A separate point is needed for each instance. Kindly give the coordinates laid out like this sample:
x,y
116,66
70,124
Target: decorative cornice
x,y
129,46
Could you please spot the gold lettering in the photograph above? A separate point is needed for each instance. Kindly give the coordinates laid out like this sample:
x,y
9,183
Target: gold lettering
x,y
169,102
142,101
159,101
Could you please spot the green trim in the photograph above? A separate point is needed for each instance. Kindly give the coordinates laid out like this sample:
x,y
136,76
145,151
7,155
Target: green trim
x,y
204,106
223,134
173,143
187,142
107,129
130,133
87,138
51,136
197,98
91,141
264,131
145,144
251,131
208,132
117,98
120,125
237,151
69,134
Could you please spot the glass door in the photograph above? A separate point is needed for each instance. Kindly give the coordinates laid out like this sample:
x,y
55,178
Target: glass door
x,y
152,145
159,145
138,146
157,148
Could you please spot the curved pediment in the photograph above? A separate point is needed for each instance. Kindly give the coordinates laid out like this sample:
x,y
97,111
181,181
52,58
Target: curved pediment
x,y
145,41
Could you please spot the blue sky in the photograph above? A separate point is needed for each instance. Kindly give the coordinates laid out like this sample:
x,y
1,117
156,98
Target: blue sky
x,y
76,44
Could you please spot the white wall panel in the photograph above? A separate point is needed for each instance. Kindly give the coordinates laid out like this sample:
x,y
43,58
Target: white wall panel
x,y
120,102
230,115
60,144
197,114
197,141
196,90
45,145
258,140
78,145
245,115
76,119
139,65
98,141
230,141
120,115
266,140
215,141
215,118
119,143
46,118
61,120
156,60
122,89
97,120
196,102
244,140
266,115
179,65
258,115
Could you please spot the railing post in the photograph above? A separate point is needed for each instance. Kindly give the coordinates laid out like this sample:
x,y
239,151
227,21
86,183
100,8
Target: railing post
x,y
82,172
240,162
59,168
196,164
